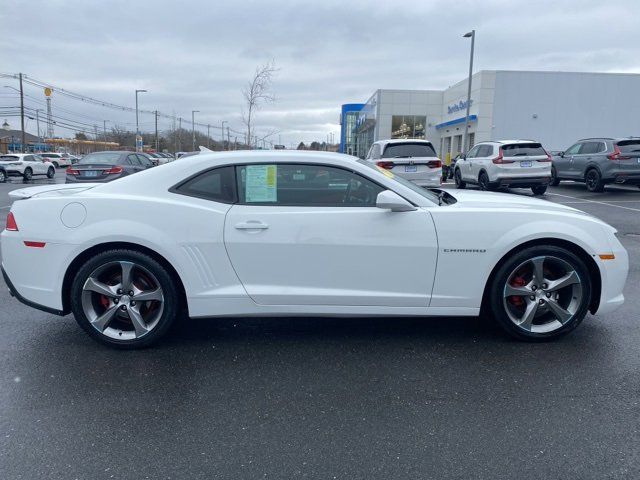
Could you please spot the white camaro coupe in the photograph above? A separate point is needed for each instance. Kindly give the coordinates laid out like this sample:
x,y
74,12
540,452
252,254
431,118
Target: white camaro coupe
x,y
291,233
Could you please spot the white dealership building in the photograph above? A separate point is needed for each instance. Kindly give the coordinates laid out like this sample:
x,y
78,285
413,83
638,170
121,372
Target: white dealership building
x,y
555,108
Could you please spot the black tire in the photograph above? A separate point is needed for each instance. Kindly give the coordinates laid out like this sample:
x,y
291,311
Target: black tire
x,y
51,172
555,181
3,176
457,176
593,180
483,181
539,189
171,297
56,165
498,304
28,174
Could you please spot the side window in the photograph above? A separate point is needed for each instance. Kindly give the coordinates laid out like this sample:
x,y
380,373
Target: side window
x,y
133,160
144,160
29,158
473,153
218,185
573,150
304,185
589,147
488,151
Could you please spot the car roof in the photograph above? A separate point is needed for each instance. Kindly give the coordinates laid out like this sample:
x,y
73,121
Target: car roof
x,y
403,140
16,154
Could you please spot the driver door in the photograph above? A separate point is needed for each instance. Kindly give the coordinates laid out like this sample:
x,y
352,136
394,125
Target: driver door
x,y
304,234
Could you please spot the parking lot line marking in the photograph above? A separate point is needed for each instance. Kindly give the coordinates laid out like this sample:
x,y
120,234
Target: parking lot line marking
x,y
612,201
595,201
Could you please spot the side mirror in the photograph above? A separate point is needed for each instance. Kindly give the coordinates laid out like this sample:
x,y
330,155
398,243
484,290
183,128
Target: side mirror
x,y
389,200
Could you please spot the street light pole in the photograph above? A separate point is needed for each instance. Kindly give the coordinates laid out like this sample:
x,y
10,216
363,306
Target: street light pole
x,y
156,115
222,130
104,132
138,149
465,141
38,110
193,129
208,134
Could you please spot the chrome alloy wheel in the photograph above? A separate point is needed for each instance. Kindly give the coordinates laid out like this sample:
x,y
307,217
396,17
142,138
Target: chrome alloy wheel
x,y
542,294
122,300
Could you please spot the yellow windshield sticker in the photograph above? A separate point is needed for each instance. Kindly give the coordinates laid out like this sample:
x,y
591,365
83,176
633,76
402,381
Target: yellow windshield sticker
x,y
385,171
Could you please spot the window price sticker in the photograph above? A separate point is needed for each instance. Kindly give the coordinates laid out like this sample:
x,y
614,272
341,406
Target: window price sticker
x,y
262,184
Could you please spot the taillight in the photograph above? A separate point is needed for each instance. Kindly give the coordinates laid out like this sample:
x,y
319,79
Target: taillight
x,y
11,225
617,154
113,170
434,164
386,165
548,159
499,160
72,171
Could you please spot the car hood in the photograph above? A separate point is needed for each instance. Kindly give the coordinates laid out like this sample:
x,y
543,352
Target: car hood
x,y
475,199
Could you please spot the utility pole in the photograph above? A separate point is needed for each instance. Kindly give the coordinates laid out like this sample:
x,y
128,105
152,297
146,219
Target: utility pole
x,y
38,110
179,133
138,147
222,131
22,112
465,141
95,137
208,134
156,115
228,139
104,132
193,129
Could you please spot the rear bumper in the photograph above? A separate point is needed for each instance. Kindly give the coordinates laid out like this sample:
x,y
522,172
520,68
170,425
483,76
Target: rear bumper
x,y
431,178
523,182
626,179
20,298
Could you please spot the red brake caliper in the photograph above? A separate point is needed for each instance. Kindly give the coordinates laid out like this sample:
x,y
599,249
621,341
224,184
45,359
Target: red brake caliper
x,y
517,282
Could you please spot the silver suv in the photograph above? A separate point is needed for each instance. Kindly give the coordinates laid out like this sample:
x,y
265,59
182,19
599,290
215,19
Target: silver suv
x,y
599,161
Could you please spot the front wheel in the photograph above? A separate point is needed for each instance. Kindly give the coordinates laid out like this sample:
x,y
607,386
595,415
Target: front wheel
x,y
51,172
3,176
539,189
541,293
483,181
28,174
56,164
124,299
458,179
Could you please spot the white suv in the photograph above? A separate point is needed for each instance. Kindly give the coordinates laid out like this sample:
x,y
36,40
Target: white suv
x,y
415,160
505,163
26,165
58,159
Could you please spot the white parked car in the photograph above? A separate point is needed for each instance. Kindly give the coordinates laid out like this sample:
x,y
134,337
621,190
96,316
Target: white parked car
x,y
301,233
59,160
26,165
505,163
415,160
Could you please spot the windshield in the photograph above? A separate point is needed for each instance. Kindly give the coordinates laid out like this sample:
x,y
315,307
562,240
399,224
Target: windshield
x,y
408,150
100,157
629,146
428,194
524,150
50,155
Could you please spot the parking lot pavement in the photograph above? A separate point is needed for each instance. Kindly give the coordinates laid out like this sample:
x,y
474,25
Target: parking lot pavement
x,y
329,398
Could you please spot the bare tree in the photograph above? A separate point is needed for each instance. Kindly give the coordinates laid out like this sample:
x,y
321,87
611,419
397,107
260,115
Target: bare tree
x,y
256,92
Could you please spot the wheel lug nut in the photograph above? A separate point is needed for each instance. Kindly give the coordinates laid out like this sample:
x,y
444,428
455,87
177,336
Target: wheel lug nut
x,y
119,291
544,285
116,300
133,304
123,307
534,288
548,295
131,293
541,301
532,297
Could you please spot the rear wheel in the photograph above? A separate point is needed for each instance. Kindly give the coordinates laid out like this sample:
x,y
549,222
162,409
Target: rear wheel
x,y
124,299
3,176
593,180
51,172
541,293
28,173
483,181
539,189
555,181
55,164
457,176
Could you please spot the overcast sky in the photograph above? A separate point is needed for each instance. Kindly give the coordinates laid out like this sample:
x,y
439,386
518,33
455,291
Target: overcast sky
x,y
198,54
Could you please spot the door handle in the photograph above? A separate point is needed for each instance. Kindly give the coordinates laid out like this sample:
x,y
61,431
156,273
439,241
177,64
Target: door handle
x,y
251,225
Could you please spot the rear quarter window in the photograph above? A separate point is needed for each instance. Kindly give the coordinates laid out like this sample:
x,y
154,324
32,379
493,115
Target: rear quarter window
x,y
218,185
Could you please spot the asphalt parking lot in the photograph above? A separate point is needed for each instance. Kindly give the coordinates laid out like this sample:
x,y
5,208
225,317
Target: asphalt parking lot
x,y
328,398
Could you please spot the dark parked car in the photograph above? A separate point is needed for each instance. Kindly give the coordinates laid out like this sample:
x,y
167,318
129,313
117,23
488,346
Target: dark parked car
x,y
599,161
107,166
3,174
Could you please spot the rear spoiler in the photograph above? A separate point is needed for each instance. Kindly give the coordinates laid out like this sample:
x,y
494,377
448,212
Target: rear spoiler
x,y
60,188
